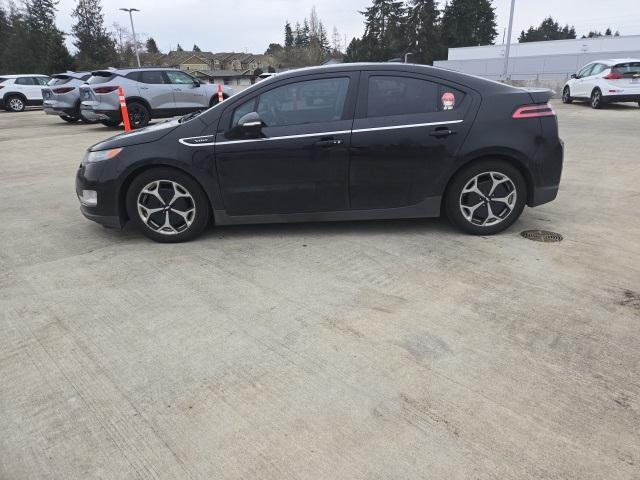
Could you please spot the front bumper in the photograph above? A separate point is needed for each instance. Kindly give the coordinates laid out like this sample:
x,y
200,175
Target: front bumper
x,y
105,212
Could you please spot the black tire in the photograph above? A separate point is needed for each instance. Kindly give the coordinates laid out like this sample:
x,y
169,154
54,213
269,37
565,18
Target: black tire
x,y
139,116
458,196
154,225
69,119
110,123
566,96
15,103
596,99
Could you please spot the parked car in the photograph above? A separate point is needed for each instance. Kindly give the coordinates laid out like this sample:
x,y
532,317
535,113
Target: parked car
x,y
396,141
150,93
62,95
605,81
18,92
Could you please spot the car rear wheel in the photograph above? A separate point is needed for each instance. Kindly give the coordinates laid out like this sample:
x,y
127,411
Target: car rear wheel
x,y
139,115
566,95
168,206
596,99
486,198
15,104
69,118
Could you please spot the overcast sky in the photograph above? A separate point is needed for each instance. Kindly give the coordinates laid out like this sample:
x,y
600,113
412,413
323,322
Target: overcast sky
x,y
239,25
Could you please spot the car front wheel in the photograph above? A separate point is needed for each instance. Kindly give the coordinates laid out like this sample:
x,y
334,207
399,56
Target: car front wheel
x,y
566,95
168,206
486,198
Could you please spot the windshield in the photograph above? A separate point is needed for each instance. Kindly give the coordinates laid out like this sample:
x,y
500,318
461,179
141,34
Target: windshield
x,y
627,69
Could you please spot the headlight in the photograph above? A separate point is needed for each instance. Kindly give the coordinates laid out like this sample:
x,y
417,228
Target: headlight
x,y
101,155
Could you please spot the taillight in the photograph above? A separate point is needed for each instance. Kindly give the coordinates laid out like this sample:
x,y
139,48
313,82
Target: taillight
x,y
534,111
105,89
63,90
614,76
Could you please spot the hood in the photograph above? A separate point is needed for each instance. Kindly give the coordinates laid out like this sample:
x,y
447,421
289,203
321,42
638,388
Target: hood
x,y
136,137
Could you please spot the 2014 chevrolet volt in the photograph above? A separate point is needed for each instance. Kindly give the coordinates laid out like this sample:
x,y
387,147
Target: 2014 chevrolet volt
x,y
340,142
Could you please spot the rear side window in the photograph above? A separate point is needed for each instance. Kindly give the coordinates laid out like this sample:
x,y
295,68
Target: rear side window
x,y
25,81
627,69
389,95
100,78
153,77
598,68
179,78
41,80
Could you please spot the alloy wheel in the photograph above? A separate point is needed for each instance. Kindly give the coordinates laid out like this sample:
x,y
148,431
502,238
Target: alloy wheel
x,y
488,199
595,99
566,97
138,116
166,207
16,104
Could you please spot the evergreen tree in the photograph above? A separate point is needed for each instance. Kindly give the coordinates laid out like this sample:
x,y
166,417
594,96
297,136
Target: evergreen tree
x,y
549,29
179,48
297,36
384,35
151,46
196,48
288,35
323,40
305,38
5,34
422,31
47,50
608,32
96,49
467,23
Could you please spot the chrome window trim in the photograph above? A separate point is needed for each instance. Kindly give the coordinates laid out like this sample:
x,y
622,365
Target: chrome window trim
x,y
307,135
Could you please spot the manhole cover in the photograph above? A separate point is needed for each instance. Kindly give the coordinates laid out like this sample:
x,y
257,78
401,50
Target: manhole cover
x,y
542,236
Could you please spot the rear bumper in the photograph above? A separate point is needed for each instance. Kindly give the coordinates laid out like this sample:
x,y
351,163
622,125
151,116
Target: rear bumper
x,y
546,172
622,98
100,115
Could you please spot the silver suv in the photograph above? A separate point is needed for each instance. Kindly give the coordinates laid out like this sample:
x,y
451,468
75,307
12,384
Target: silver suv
x,y
62,95
150,93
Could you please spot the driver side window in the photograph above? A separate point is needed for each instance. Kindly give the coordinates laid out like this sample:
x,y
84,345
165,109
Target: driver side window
x,y
310,101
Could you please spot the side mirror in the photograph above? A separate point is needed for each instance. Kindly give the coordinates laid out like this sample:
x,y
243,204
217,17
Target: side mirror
x,y
196,83
573,75
250,125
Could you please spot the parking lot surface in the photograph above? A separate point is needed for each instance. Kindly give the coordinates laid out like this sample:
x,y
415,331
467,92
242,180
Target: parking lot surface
x,y
369,350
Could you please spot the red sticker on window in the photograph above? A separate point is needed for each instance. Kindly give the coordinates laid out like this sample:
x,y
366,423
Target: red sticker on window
x,y
448,101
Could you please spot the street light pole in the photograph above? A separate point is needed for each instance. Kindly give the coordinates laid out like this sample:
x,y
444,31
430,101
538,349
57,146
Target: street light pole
x,y
133,30
508,47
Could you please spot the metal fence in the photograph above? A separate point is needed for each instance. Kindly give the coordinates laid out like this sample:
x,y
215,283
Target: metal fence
x,y
547,67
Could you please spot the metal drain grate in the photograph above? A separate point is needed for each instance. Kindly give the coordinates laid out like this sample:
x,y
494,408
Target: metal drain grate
x,y
542,236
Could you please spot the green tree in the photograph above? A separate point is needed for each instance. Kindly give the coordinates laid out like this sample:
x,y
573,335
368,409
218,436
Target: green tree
x,y
385,33
196,48
288,35
151,46
548,29
323,40
305,38
45,43
423,31
467,23
297,36
179,48
96,49
5,34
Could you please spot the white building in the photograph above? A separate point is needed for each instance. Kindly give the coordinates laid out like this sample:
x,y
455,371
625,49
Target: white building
x,y
539,61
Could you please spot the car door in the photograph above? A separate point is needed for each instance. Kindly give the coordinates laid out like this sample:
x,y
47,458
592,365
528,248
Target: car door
x,y
29,87
40,83
155,87
406,133
580,87
187,92
300,163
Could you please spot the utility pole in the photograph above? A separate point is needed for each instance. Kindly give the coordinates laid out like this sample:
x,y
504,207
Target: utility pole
x,y
133,30
508,46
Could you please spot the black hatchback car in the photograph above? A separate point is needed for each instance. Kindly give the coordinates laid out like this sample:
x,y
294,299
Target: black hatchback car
x,y
342,142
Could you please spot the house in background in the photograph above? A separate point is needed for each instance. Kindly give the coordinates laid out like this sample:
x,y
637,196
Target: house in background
x,y
238,80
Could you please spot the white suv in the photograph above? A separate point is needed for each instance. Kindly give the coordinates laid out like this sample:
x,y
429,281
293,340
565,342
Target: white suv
x,y
20,91
605,81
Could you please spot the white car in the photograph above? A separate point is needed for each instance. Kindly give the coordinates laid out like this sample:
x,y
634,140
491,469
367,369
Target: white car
x,y
20,91
605,81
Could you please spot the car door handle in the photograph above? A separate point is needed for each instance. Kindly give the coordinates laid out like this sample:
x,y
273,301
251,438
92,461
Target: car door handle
x,y
144,88
442,132
328,143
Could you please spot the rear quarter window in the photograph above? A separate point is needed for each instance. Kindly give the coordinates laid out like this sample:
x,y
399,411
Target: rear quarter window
x,y
59,81
2,79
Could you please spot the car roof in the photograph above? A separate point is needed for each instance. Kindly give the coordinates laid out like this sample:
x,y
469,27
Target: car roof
x,y
133,69
24,75
470,81
615,61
